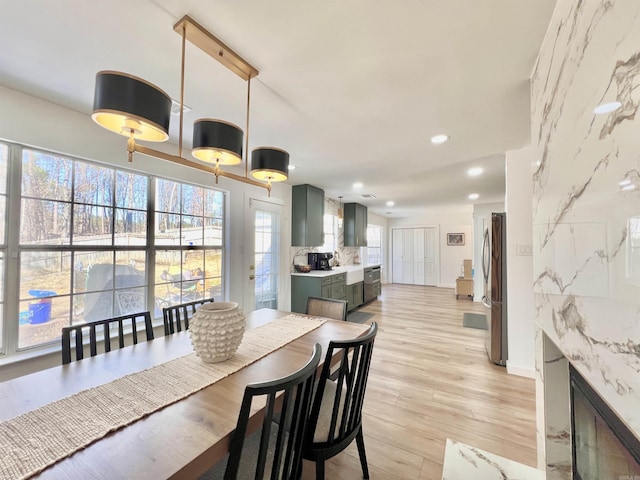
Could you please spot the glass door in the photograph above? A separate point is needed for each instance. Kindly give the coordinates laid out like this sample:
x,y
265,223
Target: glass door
x,y
264,270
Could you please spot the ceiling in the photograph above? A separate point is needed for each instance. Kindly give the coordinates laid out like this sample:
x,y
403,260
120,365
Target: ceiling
x,y
352,89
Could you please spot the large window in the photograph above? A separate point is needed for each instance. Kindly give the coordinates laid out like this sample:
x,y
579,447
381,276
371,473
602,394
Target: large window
x,y
87,248
330,233
373,250
189,238
83,244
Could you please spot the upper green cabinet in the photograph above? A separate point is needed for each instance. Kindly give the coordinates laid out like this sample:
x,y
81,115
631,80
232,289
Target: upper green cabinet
x,y
307,216
355,225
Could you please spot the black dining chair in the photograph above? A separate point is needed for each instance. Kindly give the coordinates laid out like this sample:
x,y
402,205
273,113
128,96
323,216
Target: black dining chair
x,y
336,413
176,316
327,307
275,450
94,329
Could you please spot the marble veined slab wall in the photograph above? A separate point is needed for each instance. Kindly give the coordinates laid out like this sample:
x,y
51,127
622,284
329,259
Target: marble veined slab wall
x,y
586,207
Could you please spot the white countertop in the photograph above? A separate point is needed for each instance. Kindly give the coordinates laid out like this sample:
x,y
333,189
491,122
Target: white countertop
x,y
316,273
355,273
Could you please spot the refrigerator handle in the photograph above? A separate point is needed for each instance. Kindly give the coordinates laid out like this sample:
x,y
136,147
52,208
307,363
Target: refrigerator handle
x,y
486,255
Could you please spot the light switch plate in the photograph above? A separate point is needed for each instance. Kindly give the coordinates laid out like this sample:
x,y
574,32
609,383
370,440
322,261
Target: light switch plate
x,y
524,250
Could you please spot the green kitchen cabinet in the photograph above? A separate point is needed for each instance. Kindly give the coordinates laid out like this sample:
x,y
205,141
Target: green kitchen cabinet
x,y
355,295
355,225
307,216
330,286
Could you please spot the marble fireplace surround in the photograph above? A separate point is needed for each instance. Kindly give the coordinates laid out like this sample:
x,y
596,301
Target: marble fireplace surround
x,y
586,217
557,405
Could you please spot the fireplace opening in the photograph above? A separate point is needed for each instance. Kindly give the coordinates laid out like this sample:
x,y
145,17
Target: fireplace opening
x,y
602,447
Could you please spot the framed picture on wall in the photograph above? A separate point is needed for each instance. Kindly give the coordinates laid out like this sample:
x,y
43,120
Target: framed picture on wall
x,y
455,239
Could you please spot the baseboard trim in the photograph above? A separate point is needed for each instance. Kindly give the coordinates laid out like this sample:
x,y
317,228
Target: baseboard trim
x,y
520,370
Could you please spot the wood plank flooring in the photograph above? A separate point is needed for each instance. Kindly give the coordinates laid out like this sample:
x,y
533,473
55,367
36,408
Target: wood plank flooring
x,y
430,380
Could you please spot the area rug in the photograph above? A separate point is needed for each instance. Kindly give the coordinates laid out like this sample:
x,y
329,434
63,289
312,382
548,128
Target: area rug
x,y
474,320
359,317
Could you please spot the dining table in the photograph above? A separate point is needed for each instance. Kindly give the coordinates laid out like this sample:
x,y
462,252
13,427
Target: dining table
x,y
181,440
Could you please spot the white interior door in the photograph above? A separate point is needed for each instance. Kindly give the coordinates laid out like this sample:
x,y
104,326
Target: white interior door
x,y
407,256
396,255
431,256
263,254
415,256
418,255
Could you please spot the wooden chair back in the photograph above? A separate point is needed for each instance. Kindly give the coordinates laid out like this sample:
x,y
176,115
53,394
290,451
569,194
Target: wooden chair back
x,y
336,413
94,329
327,307
176,315
279,455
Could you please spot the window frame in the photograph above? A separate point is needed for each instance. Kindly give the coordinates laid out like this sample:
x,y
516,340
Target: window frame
x,y
369,249
12,249
333,221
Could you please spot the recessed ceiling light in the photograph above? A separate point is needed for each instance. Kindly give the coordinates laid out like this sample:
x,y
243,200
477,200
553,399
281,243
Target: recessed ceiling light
x,y
291,167
607,107
436,139
390,203
629,187
358,185
624,182
473,196
475,171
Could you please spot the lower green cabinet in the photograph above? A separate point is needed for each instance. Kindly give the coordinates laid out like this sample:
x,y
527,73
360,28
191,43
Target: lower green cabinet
x,y
303,287
355,295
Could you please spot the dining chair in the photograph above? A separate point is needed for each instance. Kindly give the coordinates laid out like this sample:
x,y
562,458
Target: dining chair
x,y
327,307
93,328
176,315
275,450
336,413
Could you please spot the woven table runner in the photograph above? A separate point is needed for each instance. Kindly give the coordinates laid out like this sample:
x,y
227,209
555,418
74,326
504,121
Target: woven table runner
x,y
35,440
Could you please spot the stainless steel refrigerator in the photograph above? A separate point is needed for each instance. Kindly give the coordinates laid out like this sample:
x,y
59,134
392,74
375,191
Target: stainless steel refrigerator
x,y
494,270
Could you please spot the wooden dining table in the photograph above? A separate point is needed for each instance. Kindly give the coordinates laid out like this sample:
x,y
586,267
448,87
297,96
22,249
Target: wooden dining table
x,y
182,440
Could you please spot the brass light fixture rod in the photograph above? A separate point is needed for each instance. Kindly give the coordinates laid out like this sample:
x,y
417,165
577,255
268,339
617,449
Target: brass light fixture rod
x,y
133,147
214,47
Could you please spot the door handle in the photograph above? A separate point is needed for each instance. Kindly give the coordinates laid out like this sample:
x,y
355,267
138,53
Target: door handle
x,y
252,277
485,302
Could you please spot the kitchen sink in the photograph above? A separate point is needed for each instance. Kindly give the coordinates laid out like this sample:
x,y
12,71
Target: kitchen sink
x,y
355,273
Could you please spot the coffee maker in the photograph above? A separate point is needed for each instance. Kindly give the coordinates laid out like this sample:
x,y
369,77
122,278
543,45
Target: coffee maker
x,y
320,261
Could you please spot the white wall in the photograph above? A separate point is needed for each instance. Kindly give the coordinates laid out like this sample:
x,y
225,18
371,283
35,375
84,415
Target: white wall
x,y
453,220
481,212
520,305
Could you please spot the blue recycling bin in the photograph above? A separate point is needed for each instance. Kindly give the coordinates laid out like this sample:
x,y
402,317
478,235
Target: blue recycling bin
x,y
40,310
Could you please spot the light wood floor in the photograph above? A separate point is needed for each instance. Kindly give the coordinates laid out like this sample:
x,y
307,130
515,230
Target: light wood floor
x,y
430,380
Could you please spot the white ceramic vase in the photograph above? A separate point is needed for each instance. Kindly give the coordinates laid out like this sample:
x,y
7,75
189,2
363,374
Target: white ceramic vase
x,y
216,331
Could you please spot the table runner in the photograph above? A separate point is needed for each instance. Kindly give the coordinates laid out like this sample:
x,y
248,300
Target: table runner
x,y
31,442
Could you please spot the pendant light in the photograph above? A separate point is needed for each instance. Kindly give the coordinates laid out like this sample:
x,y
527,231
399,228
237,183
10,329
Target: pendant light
x,y
340,213
131,106
269,164
135,108
217,141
